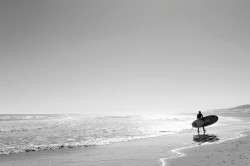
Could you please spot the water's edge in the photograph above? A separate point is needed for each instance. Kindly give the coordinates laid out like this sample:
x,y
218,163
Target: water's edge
x,y
178,152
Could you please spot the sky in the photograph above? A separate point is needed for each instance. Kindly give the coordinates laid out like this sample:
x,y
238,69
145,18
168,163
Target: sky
x,y
123,56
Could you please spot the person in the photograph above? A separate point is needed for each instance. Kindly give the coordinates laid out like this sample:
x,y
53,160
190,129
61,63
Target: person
x,y
200,116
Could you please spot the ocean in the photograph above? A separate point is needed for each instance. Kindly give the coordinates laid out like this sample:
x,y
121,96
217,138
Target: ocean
x,y
24,133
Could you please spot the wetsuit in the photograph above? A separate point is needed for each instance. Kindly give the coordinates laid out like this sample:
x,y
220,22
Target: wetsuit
x,y
199,116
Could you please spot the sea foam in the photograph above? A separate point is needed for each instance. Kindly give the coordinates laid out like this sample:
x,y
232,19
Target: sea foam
x,y
24,133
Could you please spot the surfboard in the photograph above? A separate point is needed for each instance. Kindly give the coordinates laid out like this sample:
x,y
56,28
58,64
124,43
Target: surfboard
x,y
209,120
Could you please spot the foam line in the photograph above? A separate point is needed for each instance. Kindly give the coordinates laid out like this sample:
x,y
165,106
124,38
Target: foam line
x,y
178,152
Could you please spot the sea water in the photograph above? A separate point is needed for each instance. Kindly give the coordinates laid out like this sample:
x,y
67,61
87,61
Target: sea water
x,y
23,133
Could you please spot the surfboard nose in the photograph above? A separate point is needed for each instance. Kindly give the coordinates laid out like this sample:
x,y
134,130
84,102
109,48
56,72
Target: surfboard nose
x,y
194,124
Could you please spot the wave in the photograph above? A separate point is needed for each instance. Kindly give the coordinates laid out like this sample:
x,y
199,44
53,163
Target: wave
x,y
14,117
31,147
19,117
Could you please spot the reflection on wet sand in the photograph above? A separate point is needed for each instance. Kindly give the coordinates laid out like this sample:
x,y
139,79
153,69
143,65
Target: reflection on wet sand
x,y
205,138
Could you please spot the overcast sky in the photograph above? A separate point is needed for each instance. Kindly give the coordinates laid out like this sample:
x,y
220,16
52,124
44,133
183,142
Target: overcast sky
x,y
123,56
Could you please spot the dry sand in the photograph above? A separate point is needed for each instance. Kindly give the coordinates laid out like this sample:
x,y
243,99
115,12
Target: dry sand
x,y
232,152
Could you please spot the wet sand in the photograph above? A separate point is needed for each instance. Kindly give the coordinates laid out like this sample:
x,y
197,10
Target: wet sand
x,y
231,151
158,151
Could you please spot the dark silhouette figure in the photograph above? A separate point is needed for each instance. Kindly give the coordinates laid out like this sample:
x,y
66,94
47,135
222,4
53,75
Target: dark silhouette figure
x,y
200,116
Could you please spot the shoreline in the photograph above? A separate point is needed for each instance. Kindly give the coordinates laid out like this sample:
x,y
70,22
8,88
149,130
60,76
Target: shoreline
x,y
56,146
179,151
144,151
152,151
188,155
229,152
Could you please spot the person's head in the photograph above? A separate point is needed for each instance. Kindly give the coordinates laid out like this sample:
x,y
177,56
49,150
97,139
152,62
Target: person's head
x,y
199,112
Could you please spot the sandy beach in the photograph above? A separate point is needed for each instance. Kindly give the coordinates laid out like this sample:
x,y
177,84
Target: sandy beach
x,y
231,152
234,150
230,145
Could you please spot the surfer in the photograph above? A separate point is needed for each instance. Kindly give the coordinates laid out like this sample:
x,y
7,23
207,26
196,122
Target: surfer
x,y
200,116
